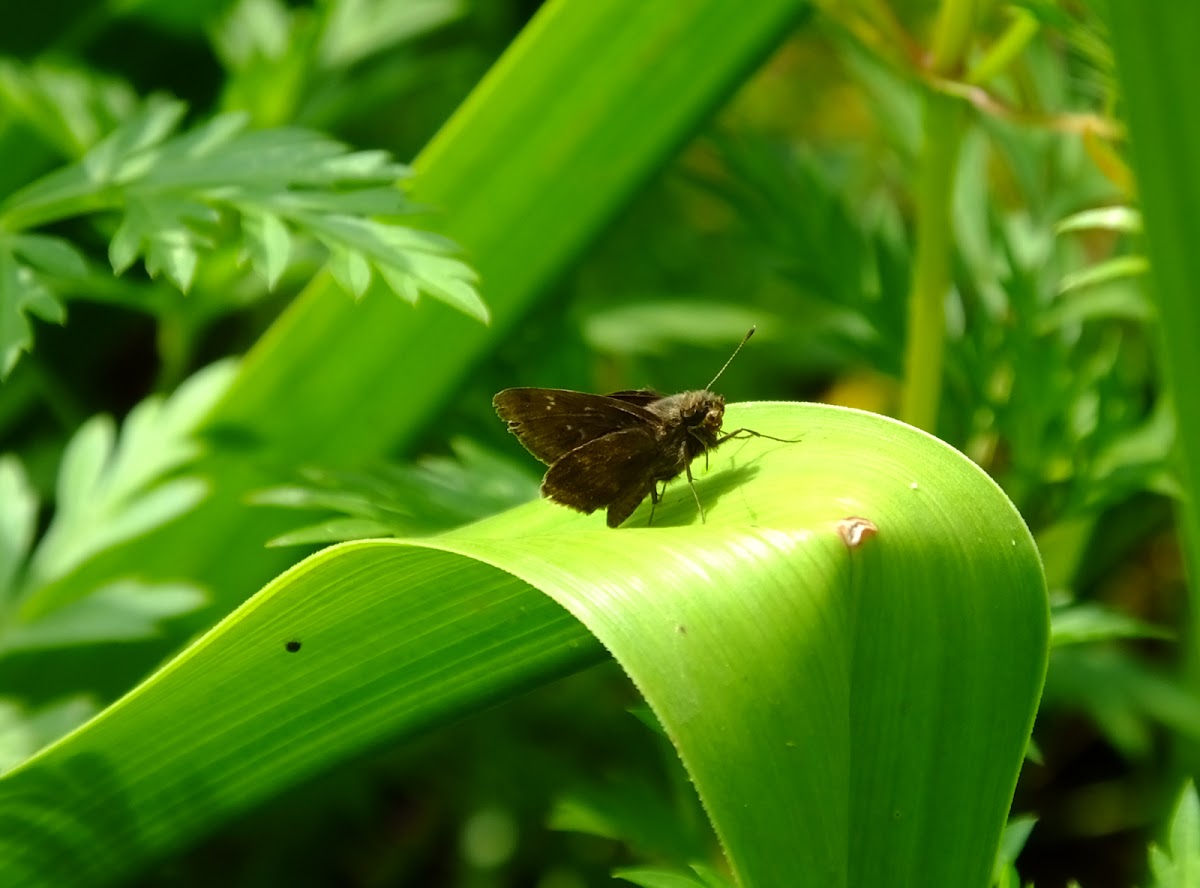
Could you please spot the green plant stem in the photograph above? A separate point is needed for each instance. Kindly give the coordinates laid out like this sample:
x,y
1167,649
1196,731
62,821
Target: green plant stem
x,y
79,199
925,347
1157,67
956,25
1023,28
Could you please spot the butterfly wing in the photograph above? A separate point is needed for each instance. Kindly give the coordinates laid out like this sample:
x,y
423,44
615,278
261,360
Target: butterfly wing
x,y
614,472
637,397
553,422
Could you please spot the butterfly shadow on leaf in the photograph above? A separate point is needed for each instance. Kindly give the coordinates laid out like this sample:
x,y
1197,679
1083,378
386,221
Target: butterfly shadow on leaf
x,y
678,505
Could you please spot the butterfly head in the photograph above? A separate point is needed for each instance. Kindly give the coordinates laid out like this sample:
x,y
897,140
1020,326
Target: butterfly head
x,y
702,413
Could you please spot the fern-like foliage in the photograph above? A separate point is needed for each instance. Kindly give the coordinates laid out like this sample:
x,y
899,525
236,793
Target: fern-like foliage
x,y
173,192
434,494
24,730
1177,865
110,490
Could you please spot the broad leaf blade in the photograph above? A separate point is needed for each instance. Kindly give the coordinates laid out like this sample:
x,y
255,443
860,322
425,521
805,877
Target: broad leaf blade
x,y
816,684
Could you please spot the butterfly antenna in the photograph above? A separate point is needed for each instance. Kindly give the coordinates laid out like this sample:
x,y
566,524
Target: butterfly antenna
x,y
745,339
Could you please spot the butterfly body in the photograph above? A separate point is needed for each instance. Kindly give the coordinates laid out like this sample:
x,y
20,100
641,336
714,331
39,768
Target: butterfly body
x,y
611,451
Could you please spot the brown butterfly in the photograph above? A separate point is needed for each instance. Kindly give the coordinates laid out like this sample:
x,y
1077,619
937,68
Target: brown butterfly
x,y
609,451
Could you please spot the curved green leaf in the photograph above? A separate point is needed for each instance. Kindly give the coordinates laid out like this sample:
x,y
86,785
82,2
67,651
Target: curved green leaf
x,y
863,618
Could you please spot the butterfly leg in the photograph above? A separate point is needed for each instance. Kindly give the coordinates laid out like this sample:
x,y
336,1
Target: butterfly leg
x,y
692,485
750,433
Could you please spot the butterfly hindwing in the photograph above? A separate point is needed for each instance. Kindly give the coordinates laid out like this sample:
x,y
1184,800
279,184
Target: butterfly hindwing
x,y
584,479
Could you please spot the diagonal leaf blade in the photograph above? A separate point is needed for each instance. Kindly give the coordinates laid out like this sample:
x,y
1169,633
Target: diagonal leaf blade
x,y
816,682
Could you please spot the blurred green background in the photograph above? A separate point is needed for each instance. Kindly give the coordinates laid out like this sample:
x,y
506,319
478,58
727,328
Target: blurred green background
x,y
793,194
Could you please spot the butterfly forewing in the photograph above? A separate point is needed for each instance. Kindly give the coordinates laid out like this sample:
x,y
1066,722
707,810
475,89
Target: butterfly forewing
x,y
553,422
638,397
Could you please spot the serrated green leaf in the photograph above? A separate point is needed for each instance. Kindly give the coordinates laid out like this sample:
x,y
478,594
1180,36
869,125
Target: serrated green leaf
x,y
362,166
18,517
50,254
110,491
1178,865
712,877
120,156
268,243
1082,623
402,285
1161,867
224,156
404,257
122,611
164,228
172,254
1008,877
355,29
40,301
659,877
1185,833
181,162
70,108
335,530
125,245
250,29
385,200
1016,833
1033,753
632,812
84,458
1115,269
171,189
1123,219
22,733
350,269
21,293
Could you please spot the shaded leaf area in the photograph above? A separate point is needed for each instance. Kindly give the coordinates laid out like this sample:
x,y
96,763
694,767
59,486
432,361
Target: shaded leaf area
x,y
436,493
1129,700
1016,832
112,488
1084,623
1049,383
787,660
652,877
23,731
1176,862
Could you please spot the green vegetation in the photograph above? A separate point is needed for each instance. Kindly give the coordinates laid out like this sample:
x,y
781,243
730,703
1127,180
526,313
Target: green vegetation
x,y
235,329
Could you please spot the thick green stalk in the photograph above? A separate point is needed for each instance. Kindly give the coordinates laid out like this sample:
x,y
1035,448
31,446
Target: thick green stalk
x,y
1158,68
925,348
